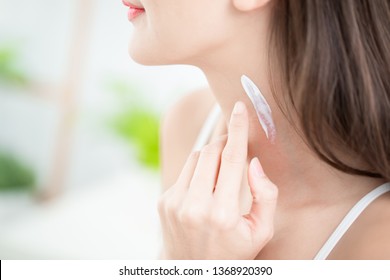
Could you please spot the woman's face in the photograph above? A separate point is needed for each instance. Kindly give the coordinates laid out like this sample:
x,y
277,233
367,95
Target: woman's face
x,y
180,31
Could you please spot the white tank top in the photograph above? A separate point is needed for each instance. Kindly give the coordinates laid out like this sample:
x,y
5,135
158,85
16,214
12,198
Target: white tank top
x,y
353,214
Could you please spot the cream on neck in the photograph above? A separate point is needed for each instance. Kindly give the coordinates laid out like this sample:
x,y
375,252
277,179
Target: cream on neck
x,y
263,110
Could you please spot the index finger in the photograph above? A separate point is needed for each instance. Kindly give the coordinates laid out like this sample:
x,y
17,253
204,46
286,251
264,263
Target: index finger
x,y
234,155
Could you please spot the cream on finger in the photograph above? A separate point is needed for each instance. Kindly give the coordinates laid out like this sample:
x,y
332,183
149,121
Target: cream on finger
x,y
263,110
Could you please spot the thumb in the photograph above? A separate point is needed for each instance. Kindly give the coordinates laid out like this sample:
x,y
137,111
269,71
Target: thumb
x,y
265,194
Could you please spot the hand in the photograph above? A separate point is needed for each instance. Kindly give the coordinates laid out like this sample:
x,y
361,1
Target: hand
x,y
200,213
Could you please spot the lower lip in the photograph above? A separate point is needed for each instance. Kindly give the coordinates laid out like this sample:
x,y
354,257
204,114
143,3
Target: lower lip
x,y
133,13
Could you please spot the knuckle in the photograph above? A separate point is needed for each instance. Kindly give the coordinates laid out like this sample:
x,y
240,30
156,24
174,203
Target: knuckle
x,y
238,122
161,203
267,233
232,155
271,193
212,149
167,204
274,193
171,208
221,219
192,216
194,156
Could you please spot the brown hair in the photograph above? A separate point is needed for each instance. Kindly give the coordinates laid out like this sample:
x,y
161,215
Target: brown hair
x,y
335,62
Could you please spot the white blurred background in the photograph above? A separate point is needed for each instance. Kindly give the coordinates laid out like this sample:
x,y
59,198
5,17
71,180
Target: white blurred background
x,y
77,180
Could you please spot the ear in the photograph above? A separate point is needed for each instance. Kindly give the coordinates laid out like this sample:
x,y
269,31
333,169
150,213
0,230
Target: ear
x,y
249,5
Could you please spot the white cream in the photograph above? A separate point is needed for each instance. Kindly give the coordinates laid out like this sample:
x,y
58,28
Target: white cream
x,y
262,108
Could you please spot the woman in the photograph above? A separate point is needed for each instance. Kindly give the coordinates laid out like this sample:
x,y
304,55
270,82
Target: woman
x,y
323,66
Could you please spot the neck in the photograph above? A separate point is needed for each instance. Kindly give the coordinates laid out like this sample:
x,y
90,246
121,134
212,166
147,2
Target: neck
x,y
301,176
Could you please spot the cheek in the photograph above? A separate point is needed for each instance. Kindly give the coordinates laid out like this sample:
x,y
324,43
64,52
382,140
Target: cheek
x,y
175,35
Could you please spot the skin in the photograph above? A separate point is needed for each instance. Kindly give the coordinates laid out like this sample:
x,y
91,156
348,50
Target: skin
x,y
202,207
226,40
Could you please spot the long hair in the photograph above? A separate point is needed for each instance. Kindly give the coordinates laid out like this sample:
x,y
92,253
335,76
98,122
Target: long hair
x,y
333,59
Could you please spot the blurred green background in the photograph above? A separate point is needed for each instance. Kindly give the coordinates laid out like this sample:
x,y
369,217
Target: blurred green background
x,y
136,123
15,175
79,132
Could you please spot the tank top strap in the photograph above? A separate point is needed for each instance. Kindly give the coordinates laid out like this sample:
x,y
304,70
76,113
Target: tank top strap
x,y
348,220
207,129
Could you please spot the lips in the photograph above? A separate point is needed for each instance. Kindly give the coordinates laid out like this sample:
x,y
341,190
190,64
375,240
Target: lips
x,y
134,10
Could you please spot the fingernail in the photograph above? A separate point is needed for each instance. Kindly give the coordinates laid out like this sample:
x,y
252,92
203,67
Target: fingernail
x,y
257,168
239,108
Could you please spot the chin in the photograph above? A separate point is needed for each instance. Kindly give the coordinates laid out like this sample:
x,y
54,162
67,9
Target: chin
x,y
148,59
144,57
150,54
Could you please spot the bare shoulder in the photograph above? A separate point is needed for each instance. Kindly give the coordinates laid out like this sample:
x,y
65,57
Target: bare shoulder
x,y
180,127
369,237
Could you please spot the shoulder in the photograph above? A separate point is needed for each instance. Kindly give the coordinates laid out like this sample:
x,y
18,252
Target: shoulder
x,y
369,237
180,126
